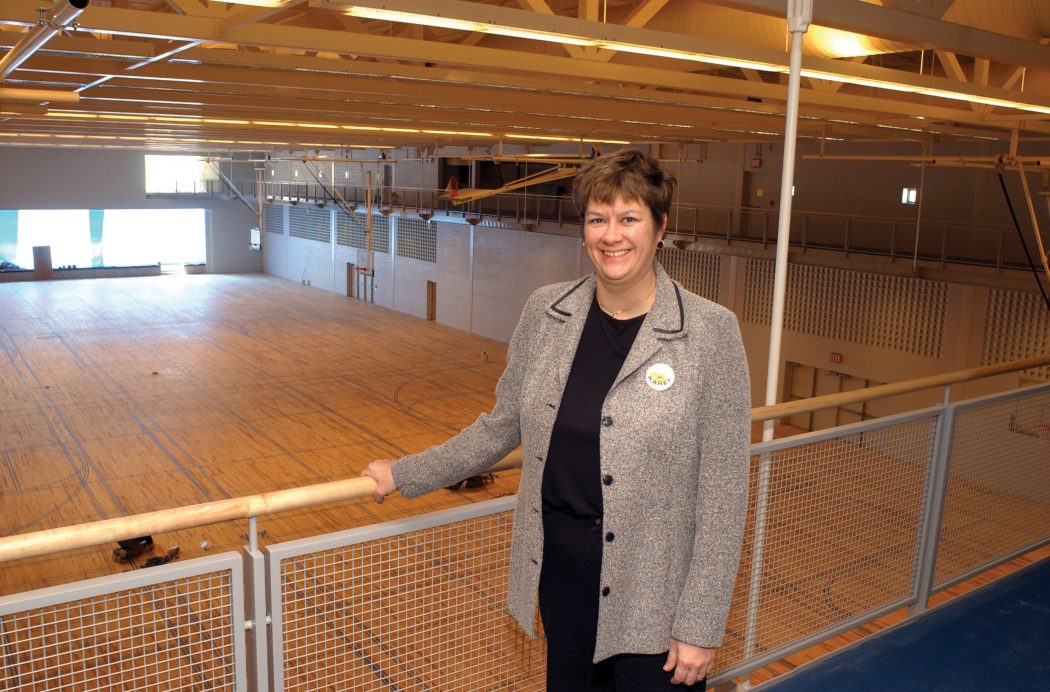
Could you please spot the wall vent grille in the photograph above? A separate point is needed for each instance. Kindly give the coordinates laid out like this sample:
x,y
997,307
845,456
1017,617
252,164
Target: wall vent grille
x,y
1017,325
898,313
310,223
697,271
273,218
350,231
416,239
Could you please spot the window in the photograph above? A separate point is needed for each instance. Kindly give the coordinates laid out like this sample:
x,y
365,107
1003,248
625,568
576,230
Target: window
x,y
908,195
106,237
178,174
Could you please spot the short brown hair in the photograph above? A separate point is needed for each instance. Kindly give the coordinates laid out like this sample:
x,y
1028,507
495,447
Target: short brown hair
x,y
629,175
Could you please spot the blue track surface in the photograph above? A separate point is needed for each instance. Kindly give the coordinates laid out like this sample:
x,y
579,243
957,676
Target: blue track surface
x,y
997,638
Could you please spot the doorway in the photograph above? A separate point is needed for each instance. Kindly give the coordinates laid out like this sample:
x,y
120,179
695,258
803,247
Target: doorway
x,y
432,289
805,381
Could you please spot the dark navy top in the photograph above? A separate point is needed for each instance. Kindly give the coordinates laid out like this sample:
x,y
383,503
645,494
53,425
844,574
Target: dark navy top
x,y
571,477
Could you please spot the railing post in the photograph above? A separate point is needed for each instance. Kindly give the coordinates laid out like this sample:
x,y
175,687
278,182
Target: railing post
x,y
257,621
758,546
937,489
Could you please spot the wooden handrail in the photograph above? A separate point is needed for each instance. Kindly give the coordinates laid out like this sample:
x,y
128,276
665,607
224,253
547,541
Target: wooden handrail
x,y
790,408
178,518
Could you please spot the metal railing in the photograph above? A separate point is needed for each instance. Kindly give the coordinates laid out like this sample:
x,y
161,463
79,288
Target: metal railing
x,y
209,189
844,525
936,241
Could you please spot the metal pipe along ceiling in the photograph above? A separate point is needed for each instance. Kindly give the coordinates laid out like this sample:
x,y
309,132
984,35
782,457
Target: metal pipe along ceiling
x,y
60,16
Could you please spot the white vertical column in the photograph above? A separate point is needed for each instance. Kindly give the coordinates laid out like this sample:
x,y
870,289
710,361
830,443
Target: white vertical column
x,y
800,12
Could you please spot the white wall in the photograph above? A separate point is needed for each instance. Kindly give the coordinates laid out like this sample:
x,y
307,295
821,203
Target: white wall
x,y
509,265
40,178
484,296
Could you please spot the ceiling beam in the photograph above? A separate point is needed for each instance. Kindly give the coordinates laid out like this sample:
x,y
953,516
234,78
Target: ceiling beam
x,y
897,25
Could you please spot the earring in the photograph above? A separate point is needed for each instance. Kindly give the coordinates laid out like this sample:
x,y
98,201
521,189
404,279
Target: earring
x,y
660,245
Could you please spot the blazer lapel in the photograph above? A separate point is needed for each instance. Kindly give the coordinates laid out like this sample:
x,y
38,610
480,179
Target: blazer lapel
x,y
566,316
665,322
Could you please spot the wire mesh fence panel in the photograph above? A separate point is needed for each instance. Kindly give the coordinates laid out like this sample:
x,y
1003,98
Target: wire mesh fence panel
x,y
998,496
421,610
179,634
841,520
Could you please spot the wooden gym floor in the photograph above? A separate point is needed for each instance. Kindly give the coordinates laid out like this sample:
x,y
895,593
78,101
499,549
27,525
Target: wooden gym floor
x,y
130,395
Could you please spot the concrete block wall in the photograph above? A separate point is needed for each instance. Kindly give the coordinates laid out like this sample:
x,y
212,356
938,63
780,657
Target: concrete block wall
x,y
483,295
450,273
509,266
312,261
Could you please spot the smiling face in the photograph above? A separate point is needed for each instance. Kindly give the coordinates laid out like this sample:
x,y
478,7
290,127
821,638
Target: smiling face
x,y
621,240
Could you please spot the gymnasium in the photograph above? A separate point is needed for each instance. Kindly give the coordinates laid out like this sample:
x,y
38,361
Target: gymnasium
x,y
249,246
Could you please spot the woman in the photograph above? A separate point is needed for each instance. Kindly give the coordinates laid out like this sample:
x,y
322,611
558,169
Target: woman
x,y
629,396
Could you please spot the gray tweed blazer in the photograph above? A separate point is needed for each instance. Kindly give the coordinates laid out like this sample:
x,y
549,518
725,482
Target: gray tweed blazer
x,y
674,463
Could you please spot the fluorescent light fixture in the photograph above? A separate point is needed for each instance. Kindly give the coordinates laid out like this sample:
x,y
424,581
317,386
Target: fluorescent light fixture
x,y
460,133
687,55
368,128
554,138
259,3
926,91
439,22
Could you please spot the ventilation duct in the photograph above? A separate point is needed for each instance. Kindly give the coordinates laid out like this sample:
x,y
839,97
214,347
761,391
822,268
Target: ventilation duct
x,y
59,17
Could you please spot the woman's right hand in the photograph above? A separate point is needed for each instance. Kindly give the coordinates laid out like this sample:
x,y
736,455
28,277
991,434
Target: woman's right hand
x,y
379,471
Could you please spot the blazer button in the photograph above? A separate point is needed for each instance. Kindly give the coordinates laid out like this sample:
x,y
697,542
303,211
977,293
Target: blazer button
x,y
607,479
606,591
607,421
610,537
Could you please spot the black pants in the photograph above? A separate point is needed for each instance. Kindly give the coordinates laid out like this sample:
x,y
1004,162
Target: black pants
x,y
568,599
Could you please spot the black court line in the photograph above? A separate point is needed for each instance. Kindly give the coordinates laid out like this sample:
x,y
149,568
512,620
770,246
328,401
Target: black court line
x,y
91,367
11,471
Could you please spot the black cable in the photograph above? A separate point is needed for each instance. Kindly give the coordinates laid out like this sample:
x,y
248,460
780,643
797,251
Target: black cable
x,y
1020,235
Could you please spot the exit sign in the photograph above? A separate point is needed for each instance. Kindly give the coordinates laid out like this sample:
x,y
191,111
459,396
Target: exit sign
x,y
836,357
756,162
